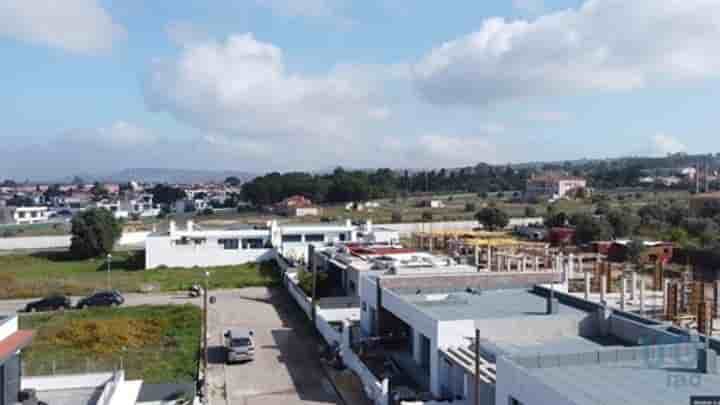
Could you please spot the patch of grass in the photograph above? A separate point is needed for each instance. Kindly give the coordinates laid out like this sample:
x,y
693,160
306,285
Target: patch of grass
x,y
23,276
154,343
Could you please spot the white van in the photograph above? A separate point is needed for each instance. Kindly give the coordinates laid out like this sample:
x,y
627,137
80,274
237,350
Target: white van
x,y
239,345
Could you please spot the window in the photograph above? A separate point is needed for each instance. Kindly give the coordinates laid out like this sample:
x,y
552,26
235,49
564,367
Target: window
x,y
343,237
229,244
292,238
21,215
182,241
33,214
255,243
315,237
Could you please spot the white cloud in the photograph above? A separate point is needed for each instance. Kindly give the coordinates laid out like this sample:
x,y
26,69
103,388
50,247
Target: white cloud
x,y
663,144
607,45
81,26
241,87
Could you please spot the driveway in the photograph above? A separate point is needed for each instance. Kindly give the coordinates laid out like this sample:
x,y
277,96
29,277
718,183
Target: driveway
x,y
286,370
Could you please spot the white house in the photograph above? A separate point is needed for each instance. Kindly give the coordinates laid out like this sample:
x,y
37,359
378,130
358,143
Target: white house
x,y
30,215
554,186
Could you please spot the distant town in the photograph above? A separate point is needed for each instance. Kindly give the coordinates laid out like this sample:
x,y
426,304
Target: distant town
x,y
464,286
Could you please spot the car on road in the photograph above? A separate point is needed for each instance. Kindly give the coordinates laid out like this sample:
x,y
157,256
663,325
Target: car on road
x,y
111,298
49,303
239,345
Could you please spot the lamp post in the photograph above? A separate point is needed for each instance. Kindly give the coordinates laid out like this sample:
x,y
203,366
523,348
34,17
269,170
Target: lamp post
x,y
109,260
205,337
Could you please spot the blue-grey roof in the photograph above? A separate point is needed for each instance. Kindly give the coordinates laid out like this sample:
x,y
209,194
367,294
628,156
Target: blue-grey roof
x,y
555,346
486,305
629,383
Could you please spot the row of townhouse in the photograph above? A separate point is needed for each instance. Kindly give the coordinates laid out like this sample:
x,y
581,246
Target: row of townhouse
x,y
428,330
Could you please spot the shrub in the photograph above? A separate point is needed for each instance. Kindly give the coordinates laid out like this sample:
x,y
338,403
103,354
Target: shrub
x,y
94,233
470,207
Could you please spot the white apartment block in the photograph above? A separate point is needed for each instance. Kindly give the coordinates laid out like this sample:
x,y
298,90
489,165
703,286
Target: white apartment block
x,y
554,186
30,215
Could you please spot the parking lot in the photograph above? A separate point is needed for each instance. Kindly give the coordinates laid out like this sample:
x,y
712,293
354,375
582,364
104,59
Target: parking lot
x,y
285,370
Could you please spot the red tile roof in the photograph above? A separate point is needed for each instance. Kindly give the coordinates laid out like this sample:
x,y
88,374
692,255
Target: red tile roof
x,y
15,342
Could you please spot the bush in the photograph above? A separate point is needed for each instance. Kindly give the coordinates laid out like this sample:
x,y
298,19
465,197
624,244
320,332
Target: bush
x,y
470,207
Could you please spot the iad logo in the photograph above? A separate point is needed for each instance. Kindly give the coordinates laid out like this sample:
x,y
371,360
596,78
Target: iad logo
x,y
680,360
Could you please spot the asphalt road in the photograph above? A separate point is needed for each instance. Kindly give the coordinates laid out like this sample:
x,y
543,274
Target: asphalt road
x,y
286,370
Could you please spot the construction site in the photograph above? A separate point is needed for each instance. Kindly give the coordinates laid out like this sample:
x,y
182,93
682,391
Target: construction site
x,y
680,295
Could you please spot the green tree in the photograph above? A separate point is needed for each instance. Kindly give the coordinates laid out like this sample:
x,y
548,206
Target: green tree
x,y
556,220
623,223
589,228
94,233
164,194
530,211
492,218
233,181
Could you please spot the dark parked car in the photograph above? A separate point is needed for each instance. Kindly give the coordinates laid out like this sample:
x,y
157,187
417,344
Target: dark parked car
x,y
102,299
51,303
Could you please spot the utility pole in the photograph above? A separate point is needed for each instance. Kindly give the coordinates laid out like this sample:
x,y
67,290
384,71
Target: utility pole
x,y
205,338
477,366
109,259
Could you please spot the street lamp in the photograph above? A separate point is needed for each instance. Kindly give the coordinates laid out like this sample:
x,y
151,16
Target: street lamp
x,y
205,337
109,260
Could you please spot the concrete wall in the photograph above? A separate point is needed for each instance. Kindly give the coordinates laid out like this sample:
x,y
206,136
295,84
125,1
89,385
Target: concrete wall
x,y
66,382
635,332
63,241
160,251
405,229
9,326
485,281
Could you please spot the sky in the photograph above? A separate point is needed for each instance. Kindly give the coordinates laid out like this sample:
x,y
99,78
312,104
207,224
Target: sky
x,y
95,86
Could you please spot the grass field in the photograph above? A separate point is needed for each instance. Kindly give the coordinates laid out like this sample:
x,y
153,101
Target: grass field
x,y
37,275
154,343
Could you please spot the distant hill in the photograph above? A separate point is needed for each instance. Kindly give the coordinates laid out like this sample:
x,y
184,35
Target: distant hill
x,y
155,175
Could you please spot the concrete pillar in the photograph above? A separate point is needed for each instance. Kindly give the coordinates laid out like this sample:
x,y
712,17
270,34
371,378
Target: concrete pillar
x,y
633,286
489,258
477,256
571,267
623,291
507,263
537,264
173,228
642,296
431,241
666,286
587,286
603,287
524,263
417,349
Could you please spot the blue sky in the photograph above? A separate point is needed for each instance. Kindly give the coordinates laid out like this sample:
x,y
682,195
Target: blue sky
x,y
260,85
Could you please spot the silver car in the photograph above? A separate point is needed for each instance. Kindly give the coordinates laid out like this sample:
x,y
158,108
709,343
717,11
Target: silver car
x,y
239,345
